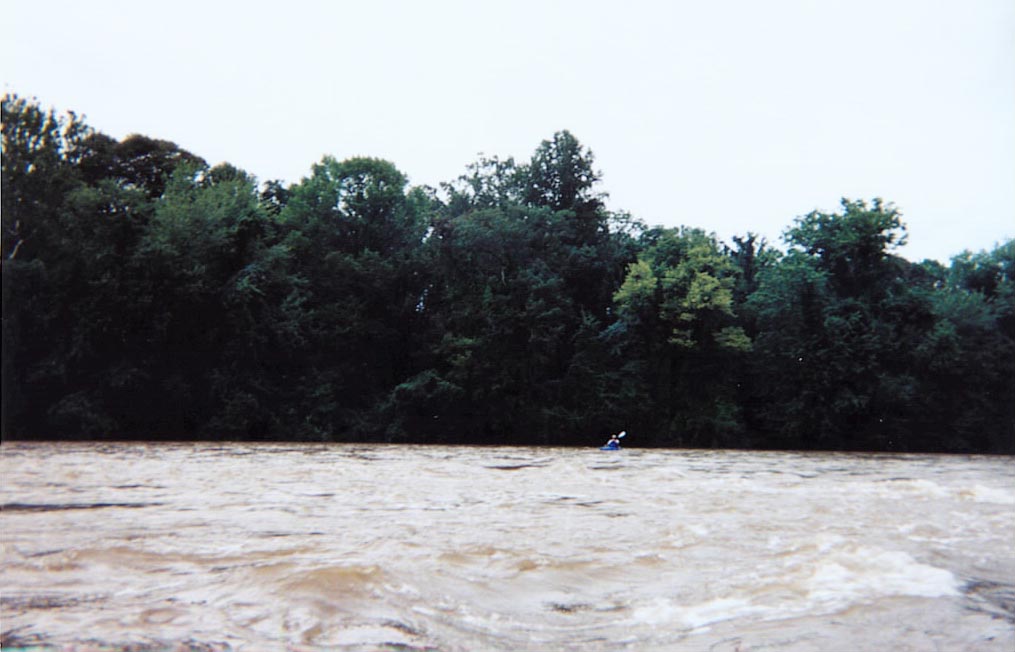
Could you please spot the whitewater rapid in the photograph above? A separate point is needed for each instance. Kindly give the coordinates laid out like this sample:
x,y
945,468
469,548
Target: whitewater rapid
x,y
335,547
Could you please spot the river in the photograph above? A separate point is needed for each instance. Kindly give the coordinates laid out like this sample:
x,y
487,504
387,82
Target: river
x,y
215,547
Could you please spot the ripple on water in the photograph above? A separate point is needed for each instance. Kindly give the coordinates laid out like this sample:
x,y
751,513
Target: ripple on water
x,y
61,507
334,547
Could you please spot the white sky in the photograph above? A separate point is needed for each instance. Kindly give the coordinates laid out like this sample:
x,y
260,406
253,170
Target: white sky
x,y
732,116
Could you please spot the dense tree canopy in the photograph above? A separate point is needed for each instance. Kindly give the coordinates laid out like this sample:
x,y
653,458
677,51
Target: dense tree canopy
x,y
149,295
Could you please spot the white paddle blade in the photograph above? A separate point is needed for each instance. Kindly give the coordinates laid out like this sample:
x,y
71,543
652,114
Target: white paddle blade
x,y
621,435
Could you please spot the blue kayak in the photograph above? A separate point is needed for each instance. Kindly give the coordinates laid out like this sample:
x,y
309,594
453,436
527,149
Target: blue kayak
x,y
609,448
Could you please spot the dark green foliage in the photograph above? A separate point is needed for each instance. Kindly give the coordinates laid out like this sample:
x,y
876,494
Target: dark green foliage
x,y
676,315
146,295
354,240
136,161
859,349
522,262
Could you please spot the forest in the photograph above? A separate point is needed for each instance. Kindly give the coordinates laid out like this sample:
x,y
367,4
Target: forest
x,y
148,295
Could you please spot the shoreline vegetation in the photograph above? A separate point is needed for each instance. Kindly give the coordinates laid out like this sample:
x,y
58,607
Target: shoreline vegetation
x,y
147,292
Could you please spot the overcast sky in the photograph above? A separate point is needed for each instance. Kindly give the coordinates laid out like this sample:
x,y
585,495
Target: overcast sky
x,y
733,116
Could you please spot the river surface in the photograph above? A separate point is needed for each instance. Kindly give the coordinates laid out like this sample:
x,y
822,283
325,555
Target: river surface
x,y
354,547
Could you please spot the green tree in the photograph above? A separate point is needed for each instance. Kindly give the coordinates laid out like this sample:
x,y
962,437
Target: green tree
x,y
560,176
853,247
524,260
146,294
136,161
205,267
497,317
676,316
837,321
354,235
37,173
73,221
965,362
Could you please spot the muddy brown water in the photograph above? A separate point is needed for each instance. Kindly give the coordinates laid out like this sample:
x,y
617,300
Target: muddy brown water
x,y
356,547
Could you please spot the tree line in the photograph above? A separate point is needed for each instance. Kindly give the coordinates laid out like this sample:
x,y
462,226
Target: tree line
x,y
149,295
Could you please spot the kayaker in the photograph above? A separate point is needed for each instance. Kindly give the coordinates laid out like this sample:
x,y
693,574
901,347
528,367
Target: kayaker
x,y
614,442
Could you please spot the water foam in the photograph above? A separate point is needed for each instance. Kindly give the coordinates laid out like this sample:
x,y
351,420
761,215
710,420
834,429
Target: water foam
x,y
981,494
864,573
977,493
421,547
841,578
920,487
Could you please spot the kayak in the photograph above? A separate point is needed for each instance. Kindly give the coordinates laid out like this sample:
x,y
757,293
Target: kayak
x,y
609,448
